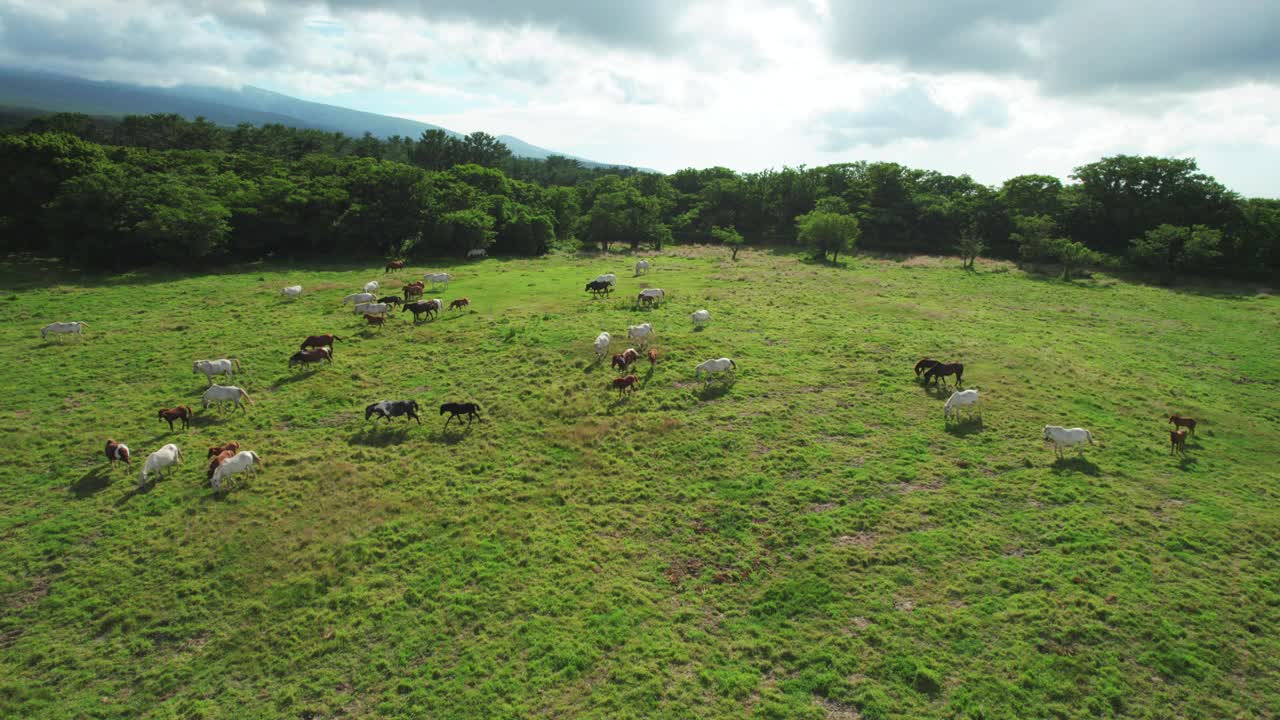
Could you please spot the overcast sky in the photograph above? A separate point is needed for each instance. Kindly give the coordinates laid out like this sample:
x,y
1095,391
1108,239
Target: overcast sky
x,y
992,88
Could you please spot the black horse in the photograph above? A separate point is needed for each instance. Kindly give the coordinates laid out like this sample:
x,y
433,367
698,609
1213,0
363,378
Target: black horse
x,y
942,370
390,300
599,286
393,408
427,307
471,410
925,364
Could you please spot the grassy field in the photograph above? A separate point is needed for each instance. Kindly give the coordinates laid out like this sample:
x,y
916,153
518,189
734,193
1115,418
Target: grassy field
x,y
809,540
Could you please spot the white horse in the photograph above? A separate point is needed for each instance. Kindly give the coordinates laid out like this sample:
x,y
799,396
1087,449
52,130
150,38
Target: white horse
x,y
607,277
640,332
224,394
700,317
63,328
602,344
1062,437
963,398
292,291
242,461
475,253
372,309
225,366
438,279
372,286
158,461
657,294
712,367
359,298
642,267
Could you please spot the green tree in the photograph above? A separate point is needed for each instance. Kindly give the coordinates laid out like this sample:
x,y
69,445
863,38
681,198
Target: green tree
x,y
970,246
1172,247
1072,256
1034,237
730,237
828,228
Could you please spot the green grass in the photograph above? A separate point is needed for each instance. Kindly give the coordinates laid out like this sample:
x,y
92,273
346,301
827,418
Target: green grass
x,y
808,541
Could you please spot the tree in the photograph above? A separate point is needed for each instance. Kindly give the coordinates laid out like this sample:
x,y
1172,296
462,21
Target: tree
x,y
729,236
1172,247
970,246
828,228
1033,235
1072,255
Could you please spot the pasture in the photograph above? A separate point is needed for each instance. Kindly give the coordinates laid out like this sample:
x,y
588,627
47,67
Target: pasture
x,y
807,539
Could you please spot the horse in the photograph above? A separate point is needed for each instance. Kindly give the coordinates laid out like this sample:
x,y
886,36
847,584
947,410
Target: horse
x,y
218,460
650,296
315,341
376,320
959,399
925,364
459,303
700,318
942,370
391,300
181,412
413,290
242,461
625,359
1178,440
314,355
1184,422
62,328
438,279
424,307
457,410
596,287
117,451
225,366
292,291
1062,437
158,461
393,408
393,265
477,254
602,344
372,286
216,450
645,299
711,367
625,384
653,357
357,298
642,267
372,309
607,277
226,393
639,332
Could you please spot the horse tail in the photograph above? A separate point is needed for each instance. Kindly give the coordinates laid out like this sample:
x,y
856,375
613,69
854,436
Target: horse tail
x,y
257,459
733,364
245,395
235,362
1089,436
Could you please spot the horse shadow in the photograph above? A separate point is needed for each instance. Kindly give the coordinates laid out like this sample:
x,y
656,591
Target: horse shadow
x,y
379,437
937,392
448,436
699,328
968,426
1078,463
134,491
295,377
1187,463
713,390
91,483
206,419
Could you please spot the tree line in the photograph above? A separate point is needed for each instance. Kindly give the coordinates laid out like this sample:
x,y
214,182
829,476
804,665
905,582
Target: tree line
x,y
159,188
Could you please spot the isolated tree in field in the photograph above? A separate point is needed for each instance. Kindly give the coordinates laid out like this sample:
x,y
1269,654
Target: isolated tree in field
x,y
1174,247
730,237
1072,255
970,246
828,228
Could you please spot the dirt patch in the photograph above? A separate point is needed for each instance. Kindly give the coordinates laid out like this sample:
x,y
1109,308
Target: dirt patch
x,y
837,710
860,623
863,539
680,569
823,507
904,605
32,595
909,487
340,419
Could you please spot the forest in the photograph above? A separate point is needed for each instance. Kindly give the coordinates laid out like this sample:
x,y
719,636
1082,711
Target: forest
x,y
119,193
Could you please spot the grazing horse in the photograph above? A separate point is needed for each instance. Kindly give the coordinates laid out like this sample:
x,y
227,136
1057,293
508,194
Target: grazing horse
x,y
942,370
158,461
315,341
216,450
182,412
459,303
372,286
700,318
376,320
314,355
596,287
925,364
712,367
457,410
217,460
607,277
413,290
62,328
372,309
651,296
602,344
225,366
357,298
1178,440
393,265
625,384
625,359
390,300
653,357
1062,437
962,398
242,461
645,299
438,279
424,307
224,394
292,291
1184,422
393,408
642,267
477,254
117,451
640,332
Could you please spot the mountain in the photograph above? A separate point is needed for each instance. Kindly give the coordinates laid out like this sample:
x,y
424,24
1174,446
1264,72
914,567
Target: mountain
x,y
224,106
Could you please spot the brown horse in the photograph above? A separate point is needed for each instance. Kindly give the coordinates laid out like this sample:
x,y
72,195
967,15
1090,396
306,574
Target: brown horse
x,y
625,384
316,341
1183,422
942,370
624,360
653,356
117,451
414,290
459,303
1178,440
375,320
393,265
216,450
925,364
182,412
645,299
217,460
314,355
422,307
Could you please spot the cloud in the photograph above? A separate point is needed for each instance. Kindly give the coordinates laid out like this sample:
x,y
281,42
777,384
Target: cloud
x,y
1080,47
906,114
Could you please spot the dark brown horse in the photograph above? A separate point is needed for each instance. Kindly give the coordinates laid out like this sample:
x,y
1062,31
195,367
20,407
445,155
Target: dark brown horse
x,y
942,370
316,341
925,364
625,384
624,360
422,307
414,290
314,355
117,451
1178,440
459,303
457,410
375,320
390,299
393,265
182,412
1183,422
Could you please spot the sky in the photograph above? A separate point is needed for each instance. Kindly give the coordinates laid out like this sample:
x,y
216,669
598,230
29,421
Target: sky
x,y
989,88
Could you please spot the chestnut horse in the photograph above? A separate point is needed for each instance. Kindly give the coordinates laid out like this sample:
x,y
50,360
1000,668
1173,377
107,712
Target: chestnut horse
x,y
414,290
316,341
459,304
217,460
182,412
1178,440
1183,422
216,450
942,370
653,356
624,360
925,364
625,384
393,265
375,320
314,355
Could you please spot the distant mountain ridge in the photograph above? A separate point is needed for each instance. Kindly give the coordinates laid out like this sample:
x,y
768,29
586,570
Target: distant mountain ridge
x,y
223,106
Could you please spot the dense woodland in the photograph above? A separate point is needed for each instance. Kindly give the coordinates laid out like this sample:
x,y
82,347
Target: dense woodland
x,y
121,193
